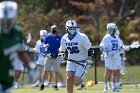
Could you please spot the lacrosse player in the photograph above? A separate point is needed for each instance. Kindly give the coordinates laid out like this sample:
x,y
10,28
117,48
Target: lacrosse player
x,y
41,53
111,47
52,42
77,44
18,67
11,48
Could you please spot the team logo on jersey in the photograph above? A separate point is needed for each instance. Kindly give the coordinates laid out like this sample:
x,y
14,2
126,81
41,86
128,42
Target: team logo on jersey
x,y
72,44
72,47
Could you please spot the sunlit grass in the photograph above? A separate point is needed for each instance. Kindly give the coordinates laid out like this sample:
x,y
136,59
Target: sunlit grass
x,y
134,74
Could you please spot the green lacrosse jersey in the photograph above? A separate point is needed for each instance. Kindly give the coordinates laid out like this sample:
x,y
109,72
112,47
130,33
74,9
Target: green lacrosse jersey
x,y
10,45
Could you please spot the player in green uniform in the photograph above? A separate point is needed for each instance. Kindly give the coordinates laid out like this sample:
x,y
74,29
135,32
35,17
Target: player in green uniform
x,y
11,45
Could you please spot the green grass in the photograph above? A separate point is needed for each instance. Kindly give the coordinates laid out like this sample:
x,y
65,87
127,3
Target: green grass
x,y
134,73
94,89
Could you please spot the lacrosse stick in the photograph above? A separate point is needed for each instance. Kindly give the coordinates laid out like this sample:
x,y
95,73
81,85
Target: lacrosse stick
x,y
134,45
29,38
126,71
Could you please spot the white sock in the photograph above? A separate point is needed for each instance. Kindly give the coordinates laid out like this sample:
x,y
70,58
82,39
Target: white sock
x,y
105,84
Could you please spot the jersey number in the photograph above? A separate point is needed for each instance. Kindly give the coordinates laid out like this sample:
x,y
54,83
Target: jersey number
x,y
114,47
73,49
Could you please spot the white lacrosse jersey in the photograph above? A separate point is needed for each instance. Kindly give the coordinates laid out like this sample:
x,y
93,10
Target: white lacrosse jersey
x,y
77,47
112,44
122,44
39,48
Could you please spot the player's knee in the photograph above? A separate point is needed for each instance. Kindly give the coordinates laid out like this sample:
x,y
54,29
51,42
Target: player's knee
x,y
69,78
114,75
77,81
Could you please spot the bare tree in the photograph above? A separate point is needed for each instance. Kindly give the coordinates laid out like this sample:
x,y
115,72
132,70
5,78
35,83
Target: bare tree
x,y
107,9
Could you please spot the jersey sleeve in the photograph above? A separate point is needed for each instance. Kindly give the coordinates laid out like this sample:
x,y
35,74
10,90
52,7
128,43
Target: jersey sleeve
x,y
85,41
36,48
62,45
104,45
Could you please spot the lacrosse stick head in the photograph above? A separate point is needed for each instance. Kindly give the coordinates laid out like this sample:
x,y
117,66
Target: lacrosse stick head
x,y
123,70
135,44
88,64
29,38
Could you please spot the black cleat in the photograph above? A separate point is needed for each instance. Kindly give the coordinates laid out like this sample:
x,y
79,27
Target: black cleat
x,y
42,87
55,87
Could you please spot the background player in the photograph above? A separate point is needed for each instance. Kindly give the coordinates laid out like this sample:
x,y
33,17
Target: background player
x,y
111,46
41,54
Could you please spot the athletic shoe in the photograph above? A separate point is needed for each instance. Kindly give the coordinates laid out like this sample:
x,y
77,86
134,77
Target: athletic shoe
x,y
82,87
61,84
116,90
105,89
55,87
47,84
36,84
17,85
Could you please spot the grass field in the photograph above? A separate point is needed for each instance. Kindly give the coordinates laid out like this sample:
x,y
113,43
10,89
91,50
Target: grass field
x,y
94,89
131,88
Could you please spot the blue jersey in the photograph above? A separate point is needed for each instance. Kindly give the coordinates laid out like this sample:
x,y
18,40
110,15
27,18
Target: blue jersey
x,y
54,43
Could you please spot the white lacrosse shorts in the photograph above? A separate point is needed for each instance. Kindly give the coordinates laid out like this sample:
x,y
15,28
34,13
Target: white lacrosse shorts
x,y
79,70
17,64
113,64
40,61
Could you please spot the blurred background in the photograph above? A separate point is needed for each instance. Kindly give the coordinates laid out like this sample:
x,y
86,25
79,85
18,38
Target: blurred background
x,y
91,15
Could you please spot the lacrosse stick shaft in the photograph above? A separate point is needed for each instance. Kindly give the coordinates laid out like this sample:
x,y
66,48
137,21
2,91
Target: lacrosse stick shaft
x,y
133,79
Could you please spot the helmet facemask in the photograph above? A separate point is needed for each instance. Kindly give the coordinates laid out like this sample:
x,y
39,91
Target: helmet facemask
x,y
71,27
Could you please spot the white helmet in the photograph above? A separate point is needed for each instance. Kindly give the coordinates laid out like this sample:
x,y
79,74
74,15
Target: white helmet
x,y
112,28
71,27
8,15
43,34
